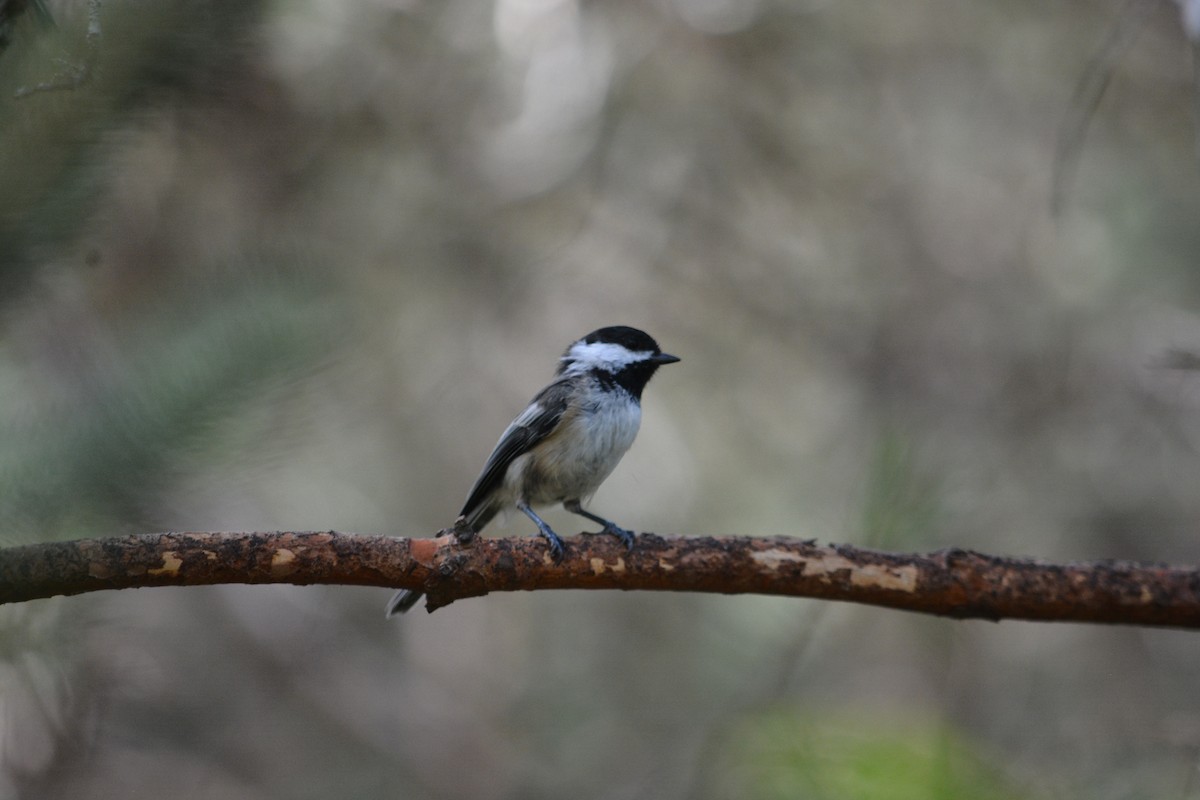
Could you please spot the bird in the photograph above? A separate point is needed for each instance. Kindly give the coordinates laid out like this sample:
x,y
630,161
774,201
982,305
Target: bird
x,y
567,440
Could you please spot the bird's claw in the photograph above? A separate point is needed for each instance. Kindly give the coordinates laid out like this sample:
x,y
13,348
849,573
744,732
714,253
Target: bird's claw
x,y
627,537
555,544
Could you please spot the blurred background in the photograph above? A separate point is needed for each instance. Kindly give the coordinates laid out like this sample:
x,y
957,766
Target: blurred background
x,y
295,265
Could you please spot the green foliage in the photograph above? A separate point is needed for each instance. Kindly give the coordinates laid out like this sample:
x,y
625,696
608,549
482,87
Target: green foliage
x,y
94,444
781,755
53,144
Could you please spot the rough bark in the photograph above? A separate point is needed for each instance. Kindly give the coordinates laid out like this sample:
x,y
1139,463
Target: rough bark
x,y
952,583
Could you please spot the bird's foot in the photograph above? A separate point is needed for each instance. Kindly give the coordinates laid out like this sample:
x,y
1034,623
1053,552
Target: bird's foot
x,y
612,529
554,542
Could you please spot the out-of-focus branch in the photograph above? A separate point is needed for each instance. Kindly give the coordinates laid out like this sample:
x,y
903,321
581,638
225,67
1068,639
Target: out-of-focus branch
x,y
953,583
73,74
1092,85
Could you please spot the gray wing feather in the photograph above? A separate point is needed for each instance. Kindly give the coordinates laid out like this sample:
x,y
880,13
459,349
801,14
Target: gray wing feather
x,y
533,425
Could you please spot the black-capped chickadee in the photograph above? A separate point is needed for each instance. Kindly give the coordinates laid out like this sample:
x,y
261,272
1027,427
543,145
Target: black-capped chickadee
x,y
567,441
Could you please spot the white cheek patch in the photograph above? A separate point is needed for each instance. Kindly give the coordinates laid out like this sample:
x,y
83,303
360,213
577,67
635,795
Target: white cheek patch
x,y
605,355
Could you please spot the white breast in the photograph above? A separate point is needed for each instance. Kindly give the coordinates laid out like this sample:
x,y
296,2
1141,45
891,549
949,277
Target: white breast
x,y
577,459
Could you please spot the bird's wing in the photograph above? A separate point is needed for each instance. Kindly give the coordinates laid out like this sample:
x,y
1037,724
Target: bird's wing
x,y
533,425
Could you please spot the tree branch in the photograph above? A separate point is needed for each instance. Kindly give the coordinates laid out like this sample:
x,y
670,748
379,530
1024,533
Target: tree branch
x,y
952,583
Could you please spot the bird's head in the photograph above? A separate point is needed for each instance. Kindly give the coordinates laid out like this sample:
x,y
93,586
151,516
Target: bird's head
x,y
617,354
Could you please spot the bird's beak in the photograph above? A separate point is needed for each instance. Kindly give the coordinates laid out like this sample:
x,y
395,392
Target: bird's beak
x,y
665,358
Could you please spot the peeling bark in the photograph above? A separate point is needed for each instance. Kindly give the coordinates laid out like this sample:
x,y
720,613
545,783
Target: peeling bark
x,y
952,583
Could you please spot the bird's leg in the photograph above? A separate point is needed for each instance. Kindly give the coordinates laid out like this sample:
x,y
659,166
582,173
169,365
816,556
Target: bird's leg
x,y
556,544
610,527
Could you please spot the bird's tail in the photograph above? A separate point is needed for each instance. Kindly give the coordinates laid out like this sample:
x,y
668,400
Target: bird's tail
x,y
402,601
479,516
